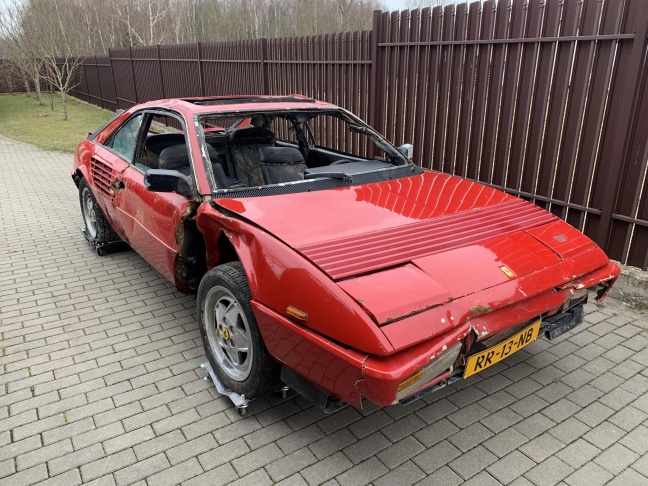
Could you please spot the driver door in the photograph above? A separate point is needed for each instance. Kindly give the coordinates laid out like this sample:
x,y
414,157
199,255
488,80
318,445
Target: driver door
x,y
149,219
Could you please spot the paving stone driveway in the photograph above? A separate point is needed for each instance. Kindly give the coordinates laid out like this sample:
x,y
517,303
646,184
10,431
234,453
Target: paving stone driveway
x,y
101,383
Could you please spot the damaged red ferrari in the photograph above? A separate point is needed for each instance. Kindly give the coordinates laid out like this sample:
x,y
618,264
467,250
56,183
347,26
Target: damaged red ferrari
x,y
347,275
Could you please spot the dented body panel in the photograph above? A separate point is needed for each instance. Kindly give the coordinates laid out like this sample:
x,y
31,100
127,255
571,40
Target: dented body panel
x,y
389,274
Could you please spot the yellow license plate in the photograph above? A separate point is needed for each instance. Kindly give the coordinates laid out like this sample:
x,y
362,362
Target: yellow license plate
x,y
481,361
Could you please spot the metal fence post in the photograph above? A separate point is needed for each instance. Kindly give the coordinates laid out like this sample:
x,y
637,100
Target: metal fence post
x,y
99,82
376,73
130,58
112,72
264,65
201,75
85,75
159,58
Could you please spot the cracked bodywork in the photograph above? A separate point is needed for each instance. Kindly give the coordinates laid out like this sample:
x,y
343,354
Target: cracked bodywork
x,y
190,260
478,310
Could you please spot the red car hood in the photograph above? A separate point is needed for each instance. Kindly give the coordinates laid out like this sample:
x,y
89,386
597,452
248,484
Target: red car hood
x,y
402,246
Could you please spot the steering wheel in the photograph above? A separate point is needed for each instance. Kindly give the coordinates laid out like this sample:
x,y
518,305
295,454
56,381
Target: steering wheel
x,y
342,161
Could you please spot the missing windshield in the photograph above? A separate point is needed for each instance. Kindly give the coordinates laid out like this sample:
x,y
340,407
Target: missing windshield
x,y
255,149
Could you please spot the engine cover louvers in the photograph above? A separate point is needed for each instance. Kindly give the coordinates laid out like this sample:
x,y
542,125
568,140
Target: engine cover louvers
x,y
362,254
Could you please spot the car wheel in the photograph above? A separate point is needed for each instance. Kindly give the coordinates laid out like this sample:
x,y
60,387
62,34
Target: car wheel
x,y
96,224
230,334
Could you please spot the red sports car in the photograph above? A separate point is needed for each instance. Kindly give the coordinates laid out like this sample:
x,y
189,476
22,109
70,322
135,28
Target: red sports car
x,y
346,275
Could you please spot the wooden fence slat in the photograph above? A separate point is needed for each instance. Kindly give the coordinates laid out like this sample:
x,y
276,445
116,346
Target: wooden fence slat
x,y
527,86
420,114
483,81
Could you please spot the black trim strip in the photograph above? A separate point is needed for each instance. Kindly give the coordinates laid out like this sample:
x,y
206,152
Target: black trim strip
x,y
319,184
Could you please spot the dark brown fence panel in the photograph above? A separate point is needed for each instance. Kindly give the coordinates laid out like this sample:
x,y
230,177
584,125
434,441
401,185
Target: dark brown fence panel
x,y
147,72
630,219
543,88
106,83
626,207
483,76
90,74
232,67
180,70
124,78
618,129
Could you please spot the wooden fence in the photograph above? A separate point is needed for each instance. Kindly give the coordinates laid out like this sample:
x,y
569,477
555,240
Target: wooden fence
x,y
545,99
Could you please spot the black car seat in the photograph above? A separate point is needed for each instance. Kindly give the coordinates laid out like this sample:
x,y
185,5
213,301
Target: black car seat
x,y
281,164
155,144
244,145
177,158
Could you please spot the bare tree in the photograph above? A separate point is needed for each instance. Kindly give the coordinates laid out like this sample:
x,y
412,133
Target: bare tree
x,y
21,45
62,42
123,13
157,10
8,74
54,31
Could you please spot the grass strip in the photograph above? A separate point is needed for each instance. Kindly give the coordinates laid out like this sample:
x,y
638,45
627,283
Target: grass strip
x,y
23,118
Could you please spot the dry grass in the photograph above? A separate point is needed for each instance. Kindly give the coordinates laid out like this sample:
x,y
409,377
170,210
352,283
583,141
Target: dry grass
x,y
23,119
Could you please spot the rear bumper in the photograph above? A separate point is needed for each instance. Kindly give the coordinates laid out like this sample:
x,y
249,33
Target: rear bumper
x,y
352,376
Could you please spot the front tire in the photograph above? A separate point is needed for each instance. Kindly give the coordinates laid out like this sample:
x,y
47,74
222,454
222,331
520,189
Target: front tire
x,y
96,224
230,334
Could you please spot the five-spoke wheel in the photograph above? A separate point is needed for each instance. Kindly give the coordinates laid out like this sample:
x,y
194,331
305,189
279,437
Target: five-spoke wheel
x,y
230,334
96,225
88,210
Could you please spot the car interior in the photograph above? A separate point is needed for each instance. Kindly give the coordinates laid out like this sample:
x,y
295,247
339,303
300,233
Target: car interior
x,y
261,150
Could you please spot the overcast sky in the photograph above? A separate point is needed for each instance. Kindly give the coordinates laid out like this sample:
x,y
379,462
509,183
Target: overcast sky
x,y
398,4
394,4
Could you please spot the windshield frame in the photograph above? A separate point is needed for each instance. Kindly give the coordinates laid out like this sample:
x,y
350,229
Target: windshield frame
x,y
393,156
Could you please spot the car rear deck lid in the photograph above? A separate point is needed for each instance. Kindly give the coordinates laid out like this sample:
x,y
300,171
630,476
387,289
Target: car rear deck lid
x,y
365,253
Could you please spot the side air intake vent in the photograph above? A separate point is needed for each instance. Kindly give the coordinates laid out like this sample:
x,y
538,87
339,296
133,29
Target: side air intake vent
x,y
102,174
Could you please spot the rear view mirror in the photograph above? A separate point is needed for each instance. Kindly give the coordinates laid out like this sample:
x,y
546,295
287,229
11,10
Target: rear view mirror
x,y
407,149
160,180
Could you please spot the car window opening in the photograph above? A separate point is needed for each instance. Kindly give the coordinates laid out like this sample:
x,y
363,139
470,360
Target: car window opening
x,y
254,150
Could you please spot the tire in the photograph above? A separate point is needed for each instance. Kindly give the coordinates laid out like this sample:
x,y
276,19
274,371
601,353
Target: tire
x,y
230,334
96,224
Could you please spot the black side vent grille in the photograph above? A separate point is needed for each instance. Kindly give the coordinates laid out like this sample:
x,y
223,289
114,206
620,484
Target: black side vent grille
x,y
102,175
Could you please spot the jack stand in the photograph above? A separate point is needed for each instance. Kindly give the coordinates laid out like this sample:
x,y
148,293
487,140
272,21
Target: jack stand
x,y
283,391
104,248
240,402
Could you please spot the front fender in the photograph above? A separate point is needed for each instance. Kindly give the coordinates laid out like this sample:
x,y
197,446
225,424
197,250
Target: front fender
x,y
279,277
79,169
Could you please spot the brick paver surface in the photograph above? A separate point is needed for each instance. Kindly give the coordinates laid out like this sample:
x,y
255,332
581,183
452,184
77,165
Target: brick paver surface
x,y
101,383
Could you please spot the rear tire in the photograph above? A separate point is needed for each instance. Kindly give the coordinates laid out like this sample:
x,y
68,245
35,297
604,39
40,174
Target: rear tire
x,y
96,225
231,337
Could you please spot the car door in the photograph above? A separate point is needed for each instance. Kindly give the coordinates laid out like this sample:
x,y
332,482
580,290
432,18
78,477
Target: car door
x,y
107,163
149,218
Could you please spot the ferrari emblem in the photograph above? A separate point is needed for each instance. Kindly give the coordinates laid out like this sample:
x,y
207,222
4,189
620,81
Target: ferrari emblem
x,y
225,333
507,271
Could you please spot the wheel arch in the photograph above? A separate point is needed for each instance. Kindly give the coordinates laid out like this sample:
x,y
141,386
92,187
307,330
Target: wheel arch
x,y
196,257
230,248
80,173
